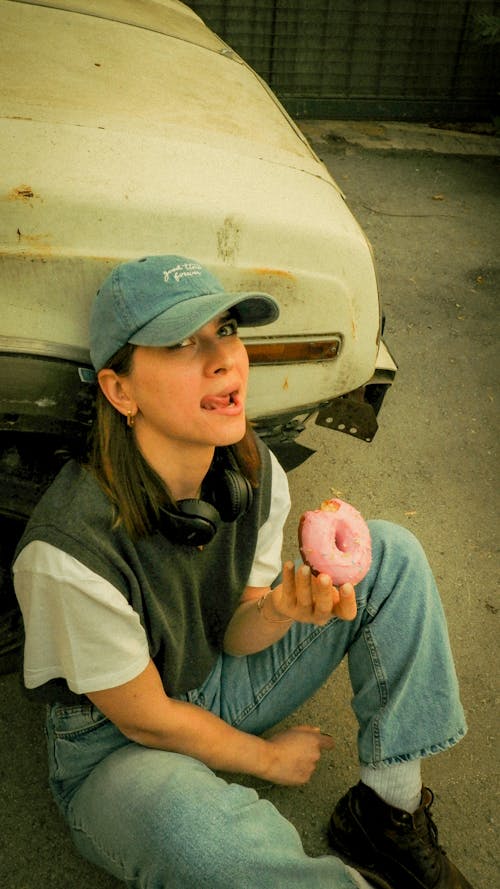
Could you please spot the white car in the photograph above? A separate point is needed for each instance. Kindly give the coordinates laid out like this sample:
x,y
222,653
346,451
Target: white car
x,y
129,128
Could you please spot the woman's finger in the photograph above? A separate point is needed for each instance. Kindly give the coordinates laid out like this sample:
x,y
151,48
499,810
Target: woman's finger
x,y
303,587
287,598
347,607
326,597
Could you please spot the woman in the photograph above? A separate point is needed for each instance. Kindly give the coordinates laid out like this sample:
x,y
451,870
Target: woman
x,y
165,649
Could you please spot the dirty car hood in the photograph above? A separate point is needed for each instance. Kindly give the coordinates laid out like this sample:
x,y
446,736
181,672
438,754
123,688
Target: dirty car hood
x,y
191,84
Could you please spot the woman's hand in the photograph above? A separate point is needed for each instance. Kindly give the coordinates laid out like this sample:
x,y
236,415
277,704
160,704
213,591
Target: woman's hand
x,y
295,754
300,597
144,714
307,598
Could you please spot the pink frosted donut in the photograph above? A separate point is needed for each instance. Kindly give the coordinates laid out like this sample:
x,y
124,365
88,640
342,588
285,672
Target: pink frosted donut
x,y
335,540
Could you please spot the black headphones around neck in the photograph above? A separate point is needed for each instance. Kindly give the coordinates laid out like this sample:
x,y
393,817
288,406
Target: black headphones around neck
x,y
226,495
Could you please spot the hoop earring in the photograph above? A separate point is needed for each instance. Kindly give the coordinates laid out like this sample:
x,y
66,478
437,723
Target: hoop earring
x,y
130,419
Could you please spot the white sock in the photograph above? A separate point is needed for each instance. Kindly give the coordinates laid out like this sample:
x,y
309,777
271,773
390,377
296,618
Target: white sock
x,y
400,784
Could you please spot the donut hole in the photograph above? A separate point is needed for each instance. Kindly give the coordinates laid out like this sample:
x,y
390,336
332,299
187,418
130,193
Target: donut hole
x,y
343,537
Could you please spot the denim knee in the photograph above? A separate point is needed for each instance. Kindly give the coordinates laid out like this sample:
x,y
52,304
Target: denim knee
x,y
395,541
398,561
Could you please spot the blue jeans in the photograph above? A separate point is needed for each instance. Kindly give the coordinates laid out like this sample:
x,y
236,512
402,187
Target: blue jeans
x,y
165,821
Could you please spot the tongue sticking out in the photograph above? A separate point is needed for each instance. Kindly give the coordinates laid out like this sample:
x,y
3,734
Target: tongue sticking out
x,y
215,402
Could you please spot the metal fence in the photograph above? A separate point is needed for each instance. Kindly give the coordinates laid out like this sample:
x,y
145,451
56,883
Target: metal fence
x,y
413,59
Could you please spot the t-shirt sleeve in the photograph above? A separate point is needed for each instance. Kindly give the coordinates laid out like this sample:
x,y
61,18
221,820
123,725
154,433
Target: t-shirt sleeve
x,y
267,562
77,625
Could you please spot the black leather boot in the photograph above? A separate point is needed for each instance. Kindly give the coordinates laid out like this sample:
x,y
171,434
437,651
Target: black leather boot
x,y
390,847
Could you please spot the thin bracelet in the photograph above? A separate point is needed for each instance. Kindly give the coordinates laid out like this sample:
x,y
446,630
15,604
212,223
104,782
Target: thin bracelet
x,y
271,620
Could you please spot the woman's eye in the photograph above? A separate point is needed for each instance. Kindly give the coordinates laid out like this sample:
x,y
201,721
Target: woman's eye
x,y
229,328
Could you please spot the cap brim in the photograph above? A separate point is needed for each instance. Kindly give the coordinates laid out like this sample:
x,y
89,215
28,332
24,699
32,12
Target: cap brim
x,y
185,318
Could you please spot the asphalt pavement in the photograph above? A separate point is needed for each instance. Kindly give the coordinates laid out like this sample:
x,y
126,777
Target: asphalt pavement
x,y
428,201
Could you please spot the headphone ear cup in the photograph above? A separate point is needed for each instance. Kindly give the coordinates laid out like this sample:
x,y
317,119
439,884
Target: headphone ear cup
x,y
233,496
195,524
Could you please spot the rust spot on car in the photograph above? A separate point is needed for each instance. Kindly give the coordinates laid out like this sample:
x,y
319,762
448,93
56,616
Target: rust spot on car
x,y
278,273
285,384
22,193
36,243
228,240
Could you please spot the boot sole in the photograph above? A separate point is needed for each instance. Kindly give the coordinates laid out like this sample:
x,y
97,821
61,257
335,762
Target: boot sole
x,y
366,870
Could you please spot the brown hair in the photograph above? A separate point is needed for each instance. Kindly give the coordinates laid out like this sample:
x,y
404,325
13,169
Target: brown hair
x,y
136,491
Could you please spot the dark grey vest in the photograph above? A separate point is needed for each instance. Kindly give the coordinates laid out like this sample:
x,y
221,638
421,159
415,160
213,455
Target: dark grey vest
x,y
184,597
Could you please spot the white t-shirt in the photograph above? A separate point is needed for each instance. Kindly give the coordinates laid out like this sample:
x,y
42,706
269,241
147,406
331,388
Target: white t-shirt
x,y
80,627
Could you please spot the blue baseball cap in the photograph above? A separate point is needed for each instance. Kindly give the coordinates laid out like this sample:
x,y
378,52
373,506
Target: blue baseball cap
x,y
160,300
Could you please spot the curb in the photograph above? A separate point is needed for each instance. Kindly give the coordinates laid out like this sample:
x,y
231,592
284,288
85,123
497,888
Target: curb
x,y
398,136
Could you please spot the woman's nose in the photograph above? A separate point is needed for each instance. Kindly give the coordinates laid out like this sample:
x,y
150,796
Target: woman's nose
x,y
219,357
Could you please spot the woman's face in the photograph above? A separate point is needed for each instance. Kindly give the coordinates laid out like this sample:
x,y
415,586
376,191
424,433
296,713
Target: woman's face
x,y
191,394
